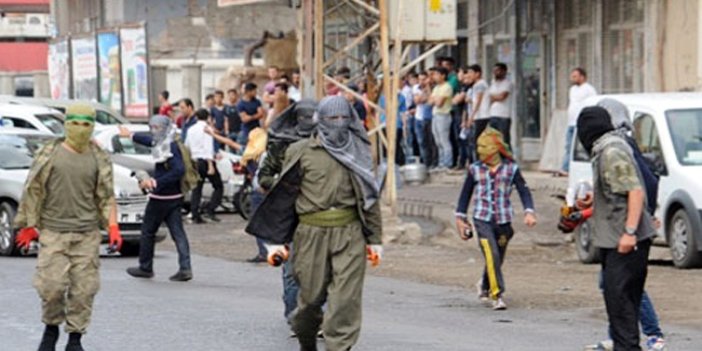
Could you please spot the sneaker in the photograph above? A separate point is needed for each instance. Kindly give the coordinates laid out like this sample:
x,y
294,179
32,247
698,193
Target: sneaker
x,y
320,335
499,304
212,217
655,343
198,220
606,345
181,276
257,259
483,295
137,272
293,334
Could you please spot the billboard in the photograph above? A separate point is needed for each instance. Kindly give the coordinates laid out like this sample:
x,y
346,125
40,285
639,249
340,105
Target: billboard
x,y
109,73
135,72
59,69
84,68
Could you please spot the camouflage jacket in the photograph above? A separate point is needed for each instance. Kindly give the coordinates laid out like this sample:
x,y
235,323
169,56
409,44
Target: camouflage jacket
x,y
33,195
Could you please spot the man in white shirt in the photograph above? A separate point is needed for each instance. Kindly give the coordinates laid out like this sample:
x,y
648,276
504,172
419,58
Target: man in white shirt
x,y
201,146
578,93
480,107
500,101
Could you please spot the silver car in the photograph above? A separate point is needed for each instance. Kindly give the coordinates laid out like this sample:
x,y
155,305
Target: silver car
x,y
17,148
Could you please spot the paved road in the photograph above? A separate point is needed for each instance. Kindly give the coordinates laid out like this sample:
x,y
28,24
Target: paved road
x,y
236,306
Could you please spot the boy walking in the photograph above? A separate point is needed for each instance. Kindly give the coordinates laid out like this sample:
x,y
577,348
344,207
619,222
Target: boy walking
x,y
491,180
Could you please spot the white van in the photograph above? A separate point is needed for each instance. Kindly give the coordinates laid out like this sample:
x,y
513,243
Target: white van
x,y
668,130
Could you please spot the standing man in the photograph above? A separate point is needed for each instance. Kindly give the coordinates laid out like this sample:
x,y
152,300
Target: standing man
x,y
201,146
294,90
233,120
452,78
480,108
327,185
269,88
578,93
218,113
209,101
165,108
500,99
623,230
251,112
188,110
68,197
165,198
441,115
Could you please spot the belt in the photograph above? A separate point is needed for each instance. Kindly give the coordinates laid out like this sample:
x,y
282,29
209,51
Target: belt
x,y
334,217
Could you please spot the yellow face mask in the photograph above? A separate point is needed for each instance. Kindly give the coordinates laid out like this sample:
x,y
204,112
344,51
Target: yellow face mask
x,y
491,147
78,133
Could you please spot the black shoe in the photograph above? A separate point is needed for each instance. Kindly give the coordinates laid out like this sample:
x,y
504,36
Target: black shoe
x,y
198,220
257,259
74,342
51,336
211,216
137,272
181,276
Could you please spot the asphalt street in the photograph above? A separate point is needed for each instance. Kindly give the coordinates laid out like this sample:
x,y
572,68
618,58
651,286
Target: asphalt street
x,y
237,306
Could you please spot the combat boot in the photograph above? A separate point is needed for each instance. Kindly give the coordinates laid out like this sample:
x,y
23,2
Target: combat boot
x,y
48,341
74,343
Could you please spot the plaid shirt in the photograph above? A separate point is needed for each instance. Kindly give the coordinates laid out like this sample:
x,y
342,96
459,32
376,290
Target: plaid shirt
x,y
492,192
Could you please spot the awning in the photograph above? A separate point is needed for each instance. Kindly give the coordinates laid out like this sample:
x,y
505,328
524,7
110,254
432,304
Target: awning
x,y
224,3
24,5
23,57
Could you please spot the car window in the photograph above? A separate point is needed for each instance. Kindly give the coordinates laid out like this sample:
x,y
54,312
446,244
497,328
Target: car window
x,y
54,123
17,151
16,122
103,117
127,147
686,132
646,135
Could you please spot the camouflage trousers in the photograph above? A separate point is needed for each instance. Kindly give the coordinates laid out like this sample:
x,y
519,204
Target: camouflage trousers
x,y
67,277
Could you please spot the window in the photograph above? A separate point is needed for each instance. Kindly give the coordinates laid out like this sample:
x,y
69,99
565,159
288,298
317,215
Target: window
x,y
103,117
646,136
52,122
17,123
686,132
128,147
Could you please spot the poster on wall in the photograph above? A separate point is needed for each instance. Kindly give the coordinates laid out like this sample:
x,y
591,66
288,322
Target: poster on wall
x,y
84,64
59,69
135,72
109,73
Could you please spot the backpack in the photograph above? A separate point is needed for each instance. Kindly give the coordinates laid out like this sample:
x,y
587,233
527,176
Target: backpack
x,y
650,178
191,176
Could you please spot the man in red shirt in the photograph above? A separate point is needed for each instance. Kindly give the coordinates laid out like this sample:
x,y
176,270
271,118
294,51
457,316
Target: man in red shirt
x,y
165,109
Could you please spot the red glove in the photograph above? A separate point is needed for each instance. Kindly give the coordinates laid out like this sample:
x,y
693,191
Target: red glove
x,y
115,238
25,237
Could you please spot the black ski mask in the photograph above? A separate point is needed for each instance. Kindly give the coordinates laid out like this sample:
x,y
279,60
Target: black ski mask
x,y
593,123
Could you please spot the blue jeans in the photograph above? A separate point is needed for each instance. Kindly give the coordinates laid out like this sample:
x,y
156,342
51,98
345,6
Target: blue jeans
x,y
421,140
290,287
648,318
256,200
568,148
441,129
157,212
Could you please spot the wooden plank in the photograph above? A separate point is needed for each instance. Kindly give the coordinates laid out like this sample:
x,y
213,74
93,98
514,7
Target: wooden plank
x,y
368,8
355,94
319,48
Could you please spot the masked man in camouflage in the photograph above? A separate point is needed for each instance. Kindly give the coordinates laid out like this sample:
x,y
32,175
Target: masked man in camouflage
x,y
67,199
623,229
326,203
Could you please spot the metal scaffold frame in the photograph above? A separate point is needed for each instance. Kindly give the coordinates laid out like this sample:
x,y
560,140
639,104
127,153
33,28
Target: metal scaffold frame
x,y
370,21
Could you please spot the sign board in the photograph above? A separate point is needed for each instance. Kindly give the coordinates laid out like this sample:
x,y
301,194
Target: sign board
x,y
423,20
440,20
84,68
225,3
135,72
109,73
59,69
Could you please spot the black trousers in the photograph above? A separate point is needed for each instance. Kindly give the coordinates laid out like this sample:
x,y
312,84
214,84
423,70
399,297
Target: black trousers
x,y
624,280
196,196
157,212
431,150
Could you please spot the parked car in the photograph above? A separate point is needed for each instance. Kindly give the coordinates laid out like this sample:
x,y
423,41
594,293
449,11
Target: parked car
x,y
103,114
138,157
39,118
17,148
668,130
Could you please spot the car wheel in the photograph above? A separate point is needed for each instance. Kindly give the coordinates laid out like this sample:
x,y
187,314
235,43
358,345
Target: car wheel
x,y
587,253
7,232
129,249
242,202
682,241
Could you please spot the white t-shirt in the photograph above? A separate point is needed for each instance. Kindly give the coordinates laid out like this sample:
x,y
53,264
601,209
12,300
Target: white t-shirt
x,y
419,111
201,144
576,97
478,88
501,108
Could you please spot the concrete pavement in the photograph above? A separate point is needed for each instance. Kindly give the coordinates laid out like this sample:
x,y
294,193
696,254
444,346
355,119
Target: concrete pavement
x,y
237,306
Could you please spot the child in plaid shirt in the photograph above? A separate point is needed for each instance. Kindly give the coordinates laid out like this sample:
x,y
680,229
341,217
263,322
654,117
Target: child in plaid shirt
x,y
491,180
